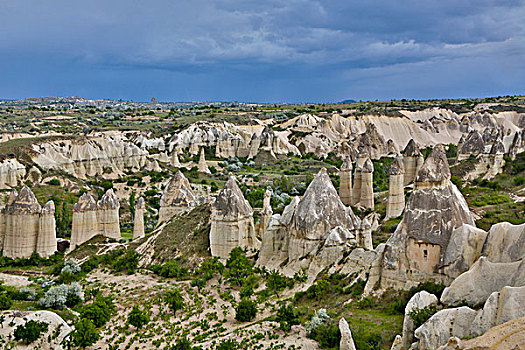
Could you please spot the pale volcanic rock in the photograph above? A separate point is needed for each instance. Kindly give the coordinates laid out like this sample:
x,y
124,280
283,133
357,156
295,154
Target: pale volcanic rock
x,y
505,243
396,192
416,250
11,173
443,325
231,222
174,161
202,167
138,219
22,225
46,244
345,181
413,160
464,248
482,279
365,235
313,232
473,145
517,145
347,342
419,301
356,190
176,198
85,223
34,176
108,218
495,160
367,191
265,214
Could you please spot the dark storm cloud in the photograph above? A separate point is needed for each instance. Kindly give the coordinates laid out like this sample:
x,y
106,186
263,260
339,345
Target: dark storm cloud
x,y
296,49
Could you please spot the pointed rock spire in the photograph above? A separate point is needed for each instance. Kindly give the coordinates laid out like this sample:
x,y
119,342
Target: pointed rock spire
x,y
203,166
231,201
86,202
178,192
24,203
435,170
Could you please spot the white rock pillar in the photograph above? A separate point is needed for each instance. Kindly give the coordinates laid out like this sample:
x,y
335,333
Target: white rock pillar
x,y
108,215
84,225
46,244
22,224
345,182
138,220
266,214
365,239
396,193
367,191
413,160
203,166
356,190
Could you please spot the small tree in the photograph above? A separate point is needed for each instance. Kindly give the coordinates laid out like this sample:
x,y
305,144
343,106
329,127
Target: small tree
x,y
174,300
128,262
100,311
245,311
30,331
85,333
138,317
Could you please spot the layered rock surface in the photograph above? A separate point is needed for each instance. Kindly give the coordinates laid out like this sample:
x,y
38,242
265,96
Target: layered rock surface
x,y
11,172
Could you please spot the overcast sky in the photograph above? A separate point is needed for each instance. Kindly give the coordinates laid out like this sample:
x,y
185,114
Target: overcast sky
x,y
256,50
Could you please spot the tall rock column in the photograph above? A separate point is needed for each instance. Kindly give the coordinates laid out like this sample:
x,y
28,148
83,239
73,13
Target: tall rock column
x,y
203,166
345,182
3,216
175,159
138,220
396,193
176,198
46,244
231,222
367,191
85,224
365,235
413,160
22,225
108,215
356,190
266,214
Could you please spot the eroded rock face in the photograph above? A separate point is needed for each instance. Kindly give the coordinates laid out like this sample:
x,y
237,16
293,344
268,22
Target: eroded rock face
x,y
447,325
11,172
26,227
231,222
473,145
176,198
416,250
464,248
419,301
108,218
312,233
413,160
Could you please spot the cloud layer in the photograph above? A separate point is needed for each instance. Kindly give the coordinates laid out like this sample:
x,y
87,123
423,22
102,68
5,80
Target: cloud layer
x,y
276,50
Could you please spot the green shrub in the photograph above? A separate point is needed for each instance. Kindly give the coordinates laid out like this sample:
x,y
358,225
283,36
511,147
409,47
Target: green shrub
x,y
128,262
5,301
54,182
100,311
246,310
287,317
85,334
420,316
328,336
30,331
138,317
229,344
174,300
171,269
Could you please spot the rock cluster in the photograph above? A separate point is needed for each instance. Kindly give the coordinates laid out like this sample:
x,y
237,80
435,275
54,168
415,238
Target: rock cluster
x,y
313,232
26,228
176,198
138,219
362,193
231,222
100,155
416,250
11,172
413,160
396,192
91,218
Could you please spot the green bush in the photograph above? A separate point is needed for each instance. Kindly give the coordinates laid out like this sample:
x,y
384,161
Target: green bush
x,y
138,317
100,311
239,267
171,269
128,262
54,182
85,334
246,310
328,336
420,316
5,301
30,331
287,317
229,344
174,300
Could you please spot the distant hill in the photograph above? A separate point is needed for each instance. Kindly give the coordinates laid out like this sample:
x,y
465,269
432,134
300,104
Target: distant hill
x,y
348,101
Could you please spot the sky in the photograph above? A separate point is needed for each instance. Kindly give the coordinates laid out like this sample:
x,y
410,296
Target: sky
x,y
262,51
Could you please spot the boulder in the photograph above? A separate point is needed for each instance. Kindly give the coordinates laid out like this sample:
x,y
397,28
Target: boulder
x,y
505,243
464,248
420,300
